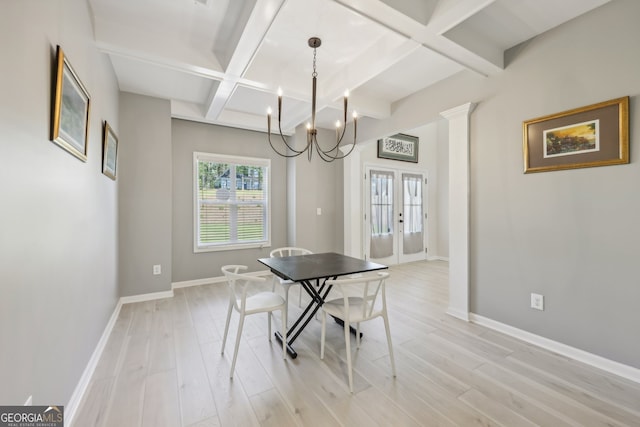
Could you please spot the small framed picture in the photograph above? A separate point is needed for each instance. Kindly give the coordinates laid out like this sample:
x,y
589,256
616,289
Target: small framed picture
x,y
71,102
595,135
109,151
399,147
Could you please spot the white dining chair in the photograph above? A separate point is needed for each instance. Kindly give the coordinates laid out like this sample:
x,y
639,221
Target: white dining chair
x,y
245,305
287,284
363,299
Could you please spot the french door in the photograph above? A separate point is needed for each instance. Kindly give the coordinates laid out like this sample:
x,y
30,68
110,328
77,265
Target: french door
x,y
395,217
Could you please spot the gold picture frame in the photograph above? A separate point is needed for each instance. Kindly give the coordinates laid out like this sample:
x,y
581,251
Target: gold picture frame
x,y
71,105
109,151
595,135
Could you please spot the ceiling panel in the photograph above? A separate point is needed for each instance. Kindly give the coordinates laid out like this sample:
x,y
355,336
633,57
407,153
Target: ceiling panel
x,y
149,79
420,69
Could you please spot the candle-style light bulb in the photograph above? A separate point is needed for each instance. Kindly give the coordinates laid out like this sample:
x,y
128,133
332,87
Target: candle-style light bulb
x,y
269,121
346,93
355,115
337,123
279,104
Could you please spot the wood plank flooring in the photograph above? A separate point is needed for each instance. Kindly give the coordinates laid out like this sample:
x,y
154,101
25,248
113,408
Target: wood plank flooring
x,y
162,367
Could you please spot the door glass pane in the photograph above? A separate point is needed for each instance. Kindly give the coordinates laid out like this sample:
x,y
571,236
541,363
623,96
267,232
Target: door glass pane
x,y
381,214
412,207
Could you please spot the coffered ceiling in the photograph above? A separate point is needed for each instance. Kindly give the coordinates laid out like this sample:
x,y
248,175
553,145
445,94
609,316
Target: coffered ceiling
x,y
222,61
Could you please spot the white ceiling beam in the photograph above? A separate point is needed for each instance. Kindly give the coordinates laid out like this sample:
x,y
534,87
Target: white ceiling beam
x,y
260,20
448,14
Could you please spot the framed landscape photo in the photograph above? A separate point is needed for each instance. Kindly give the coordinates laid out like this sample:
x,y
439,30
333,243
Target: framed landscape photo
x,y
595,135
399,147
109,151
70,124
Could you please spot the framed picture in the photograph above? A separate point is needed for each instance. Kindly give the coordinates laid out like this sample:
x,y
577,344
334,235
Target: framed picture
x,y
109,151
595,135
399,147
70,124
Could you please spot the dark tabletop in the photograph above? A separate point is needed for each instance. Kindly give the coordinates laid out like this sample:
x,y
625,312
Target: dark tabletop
x,y
318,266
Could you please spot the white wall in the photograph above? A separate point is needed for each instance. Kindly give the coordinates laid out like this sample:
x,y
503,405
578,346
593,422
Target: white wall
x,y
58,222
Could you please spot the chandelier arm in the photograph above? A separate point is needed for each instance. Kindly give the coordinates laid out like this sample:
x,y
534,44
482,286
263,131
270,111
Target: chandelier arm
x,y
279,153
323,155
342,156
338,141
286,143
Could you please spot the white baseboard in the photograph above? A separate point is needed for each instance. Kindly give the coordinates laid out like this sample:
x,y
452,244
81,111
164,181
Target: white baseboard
x,y
437,258
146,297
71,408
624,371
196,282
211,280
463,315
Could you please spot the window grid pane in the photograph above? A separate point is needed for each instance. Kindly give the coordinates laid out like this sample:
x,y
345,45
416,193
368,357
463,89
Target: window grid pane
x,y
381,203
232,203
412,189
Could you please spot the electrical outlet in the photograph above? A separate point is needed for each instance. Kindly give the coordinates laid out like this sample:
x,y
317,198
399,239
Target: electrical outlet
x,y
537,301
157,269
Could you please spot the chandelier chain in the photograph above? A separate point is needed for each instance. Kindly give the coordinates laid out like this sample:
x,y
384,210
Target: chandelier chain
x,y
314,74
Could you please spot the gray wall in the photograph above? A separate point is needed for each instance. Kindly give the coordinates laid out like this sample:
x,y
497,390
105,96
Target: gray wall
x,y
58,218
189,137
317,184
144,185
569,235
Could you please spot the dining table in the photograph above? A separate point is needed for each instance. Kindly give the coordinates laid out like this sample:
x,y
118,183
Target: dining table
x,y
312,272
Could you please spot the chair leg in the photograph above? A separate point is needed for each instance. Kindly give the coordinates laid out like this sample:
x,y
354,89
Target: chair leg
x,y
269,313
235,352
226,326
358,335
347,340
300,296
286,298
323,333
386,327
283,317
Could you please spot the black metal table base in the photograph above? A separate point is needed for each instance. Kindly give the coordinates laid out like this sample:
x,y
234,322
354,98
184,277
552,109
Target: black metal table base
x,y
290,349
318,295
351,328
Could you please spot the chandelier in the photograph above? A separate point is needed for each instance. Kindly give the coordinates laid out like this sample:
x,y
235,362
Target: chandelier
x,y
312,133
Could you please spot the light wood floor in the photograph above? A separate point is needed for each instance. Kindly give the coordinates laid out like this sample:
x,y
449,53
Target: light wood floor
x,y
162,367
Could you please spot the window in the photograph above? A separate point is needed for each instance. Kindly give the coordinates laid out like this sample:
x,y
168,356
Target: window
x,y
231,202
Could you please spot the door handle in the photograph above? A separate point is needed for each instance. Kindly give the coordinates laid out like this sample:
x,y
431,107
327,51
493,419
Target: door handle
x,y
400,221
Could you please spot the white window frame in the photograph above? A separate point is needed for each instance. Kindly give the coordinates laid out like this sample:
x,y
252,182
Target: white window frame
x,y
238,160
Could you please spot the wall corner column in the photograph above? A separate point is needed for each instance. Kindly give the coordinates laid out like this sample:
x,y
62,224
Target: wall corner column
x,y
459,186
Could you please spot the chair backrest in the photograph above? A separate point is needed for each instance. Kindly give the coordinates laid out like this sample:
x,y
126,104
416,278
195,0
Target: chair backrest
x,y
289,251
370,289
237,283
